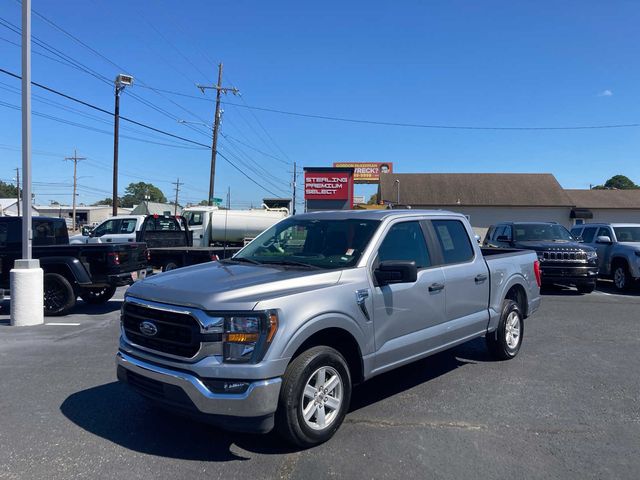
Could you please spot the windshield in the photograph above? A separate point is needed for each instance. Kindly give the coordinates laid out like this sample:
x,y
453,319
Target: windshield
x,y
327,244
542,231
627,234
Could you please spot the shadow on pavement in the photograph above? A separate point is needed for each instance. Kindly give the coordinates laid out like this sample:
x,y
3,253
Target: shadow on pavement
x,y
608,287
404,378
115,413
97,309
560,290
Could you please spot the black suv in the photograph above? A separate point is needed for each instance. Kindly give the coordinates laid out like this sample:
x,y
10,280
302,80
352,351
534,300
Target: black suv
x,y
563,260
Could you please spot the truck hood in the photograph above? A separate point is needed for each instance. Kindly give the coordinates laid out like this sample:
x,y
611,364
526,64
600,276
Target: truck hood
x,y
546,245
218,286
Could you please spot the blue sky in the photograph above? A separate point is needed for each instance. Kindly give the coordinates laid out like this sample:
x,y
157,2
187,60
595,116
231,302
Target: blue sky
x,y
489,63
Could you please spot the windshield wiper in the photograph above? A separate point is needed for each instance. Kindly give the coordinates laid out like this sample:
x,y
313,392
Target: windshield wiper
x,y
293,263
241,259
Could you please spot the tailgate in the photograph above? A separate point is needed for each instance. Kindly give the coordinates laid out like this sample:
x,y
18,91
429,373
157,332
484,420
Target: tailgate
x,y
128,257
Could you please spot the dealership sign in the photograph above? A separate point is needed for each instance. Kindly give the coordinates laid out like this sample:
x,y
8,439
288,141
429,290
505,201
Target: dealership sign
x,y
366,172
323,185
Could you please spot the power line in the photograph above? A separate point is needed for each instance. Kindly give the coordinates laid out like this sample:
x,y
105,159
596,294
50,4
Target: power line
x,y
408,125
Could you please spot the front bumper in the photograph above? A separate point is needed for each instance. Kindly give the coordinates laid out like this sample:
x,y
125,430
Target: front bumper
x,y
188,393
567,274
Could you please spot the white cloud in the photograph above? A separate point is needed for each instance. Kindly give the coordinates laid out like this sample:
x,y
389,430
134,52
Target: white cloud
x,y
606,93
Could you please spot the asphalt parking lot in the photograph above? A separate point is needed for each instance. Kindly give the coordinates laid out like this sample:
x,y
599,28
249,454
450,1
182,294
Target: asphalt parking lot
x,y
566,407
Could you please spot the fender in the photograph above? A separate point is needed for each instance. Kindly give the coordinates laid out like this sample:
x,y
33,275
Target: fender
x,y
70,265
496,310
322,322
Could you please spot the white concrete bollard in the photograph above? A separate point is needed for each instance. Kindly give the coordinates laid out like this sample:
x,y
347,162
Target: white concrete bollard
x,y
27,292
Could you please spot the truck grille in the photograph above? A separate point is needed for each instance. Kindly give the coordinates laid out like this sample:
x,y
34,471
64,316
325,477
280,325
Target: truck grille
x,y
177,333
578,256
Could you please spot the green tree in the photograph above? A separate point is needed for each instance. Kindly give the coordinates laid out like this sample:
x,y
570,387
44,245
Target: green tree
x,y
106,201
203,203
8,190
617,182
136,193
373,199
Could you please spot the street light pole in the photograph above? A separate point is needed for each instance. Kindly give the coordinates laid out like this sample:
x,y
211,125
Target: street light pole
x,y
121,82
397,192
26,278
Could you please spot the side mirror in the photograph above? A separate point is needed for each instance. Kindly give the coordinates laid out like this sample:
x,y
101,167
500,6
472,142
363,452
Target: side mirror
x,y
603,239
579,239
396,271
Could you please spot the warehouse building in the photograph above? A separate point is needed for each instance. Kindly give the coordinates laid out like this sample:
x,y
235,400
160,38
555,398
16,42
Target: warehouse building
x,y
487,198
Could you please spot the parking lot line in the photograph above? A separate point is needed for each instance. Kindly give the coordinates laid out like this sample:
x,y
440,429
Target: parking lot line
x,y
63,324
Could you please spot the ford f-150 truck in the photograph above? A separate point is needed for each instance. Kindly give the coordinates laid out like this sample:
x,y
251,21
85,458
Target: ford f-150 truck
x,y
618,247
278,334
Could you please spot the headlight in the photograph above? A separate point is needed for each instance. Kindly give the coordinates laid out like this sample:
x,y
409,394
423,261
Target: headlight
x,y
247,337
592,255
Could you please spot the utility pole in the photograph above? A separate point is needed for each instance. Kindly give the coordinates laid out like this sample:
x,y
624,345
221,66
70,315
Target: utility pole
x,y
216,126
177,184
75,160
121,82
18,188
295,173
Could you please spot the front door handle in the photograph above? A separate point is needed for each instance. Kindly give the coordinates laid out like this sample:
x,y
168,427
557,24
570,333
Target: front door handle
x,y
436,287
481,278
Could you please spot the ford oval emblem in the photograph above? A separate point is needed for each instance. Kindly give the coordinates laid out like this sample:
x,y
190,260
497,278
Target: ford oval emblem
x,y
148,328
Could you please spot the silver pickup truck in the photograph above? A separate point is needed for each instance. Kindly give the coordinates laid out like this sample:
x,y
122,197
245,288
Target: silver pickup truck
x,y
278,334
618,247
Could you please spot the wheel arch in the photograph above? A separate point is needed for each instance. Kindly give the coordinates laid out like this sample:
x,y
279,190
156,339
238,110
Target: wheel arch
x,y
331,335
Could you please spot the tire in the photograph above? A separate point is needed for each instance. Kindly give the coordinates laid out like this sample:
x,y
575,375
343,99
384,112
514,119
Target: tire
x,y
586,288
169,266
621,277
503,344
302,375
59,296
97,295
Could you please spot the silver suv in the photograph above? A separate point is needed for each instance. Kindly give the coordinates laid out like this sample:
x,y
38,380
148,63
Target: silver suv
x,y
618,247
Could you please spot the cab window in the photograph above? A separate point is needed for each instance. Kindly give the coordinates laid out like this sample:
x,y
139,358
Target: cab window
x,y
128,225
588,234
109,227
405,241
454,241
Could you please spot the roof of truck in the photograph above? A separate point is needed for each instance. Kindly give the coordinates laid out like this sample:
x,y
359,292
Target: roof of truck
x,y
374,214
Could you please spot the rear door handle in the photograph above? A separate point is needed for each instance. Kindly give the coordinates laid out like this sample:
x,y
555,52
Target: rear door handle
x,y
436,287
481,278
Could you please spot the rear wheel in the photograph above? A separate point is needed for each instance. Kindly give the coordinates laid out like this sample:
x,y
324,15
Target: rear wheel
x,y
621,277
315,396
170,265
59,296
505,342
97,295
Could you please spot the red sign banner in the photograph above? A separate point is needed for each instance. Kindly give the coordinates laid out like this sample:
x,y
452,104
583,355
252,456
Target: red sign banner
x,y
326,185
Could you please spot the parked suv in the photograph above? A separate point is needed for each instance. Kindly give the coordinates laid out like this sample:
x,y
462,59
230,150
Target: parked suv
x,y
563,260
618,247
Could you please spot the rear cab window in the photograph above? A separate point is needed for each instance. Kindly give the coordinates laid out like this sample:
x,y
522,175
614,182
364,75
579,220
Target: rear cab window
x,y
454,241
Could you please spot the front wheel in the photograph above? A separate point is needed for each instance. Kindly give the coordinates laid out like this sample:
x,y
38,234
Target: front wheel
x,y
314,398
97,295
59,296
621,277
505,342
